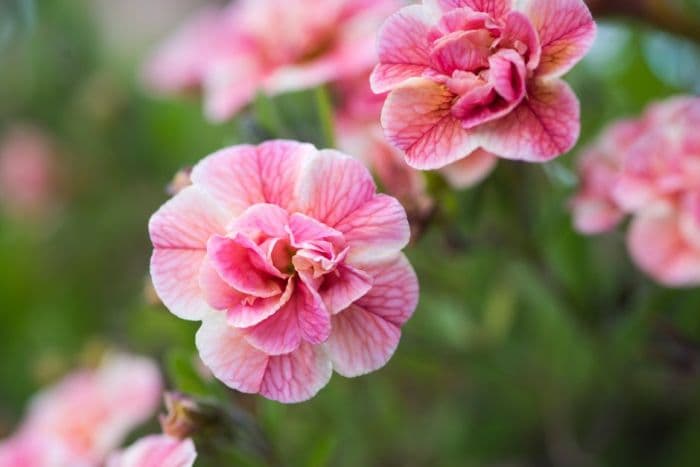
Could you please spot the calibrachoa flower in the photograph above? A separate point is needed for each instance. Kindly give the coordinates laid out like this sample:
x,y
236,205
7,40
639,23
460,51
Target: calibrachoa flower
x,y
272,46
293,263
650,168
81,419
156,451
28,180
471,74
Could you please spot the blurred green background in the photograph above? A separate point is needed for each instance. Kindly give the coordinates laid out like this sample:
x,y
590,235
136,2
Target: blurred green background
x,y
531,346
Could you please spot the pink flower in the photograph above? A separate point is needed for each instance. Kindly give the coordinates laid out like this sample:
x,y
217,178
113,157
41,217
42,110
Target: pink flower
x,y
594,207
156,451
272,46
292,262
664,240
81,419
27,172
470,74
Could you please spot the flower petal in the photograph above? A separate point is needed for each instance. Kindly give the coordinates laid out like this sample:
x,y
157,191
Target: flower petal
x,y
519,32
545,125
471,170
230,85
417,119
244,266
156,451
233,361
332,186
394,293
376,231
404,50
261,220
303,318
343,287
241,176
179,231
297,376
657,245
566,29
304,231
361,341
495,8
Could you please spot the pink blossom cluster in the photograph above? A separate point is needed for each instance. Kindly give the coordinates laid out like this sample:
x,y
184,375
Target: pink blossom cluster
x,y
156,451
470,75
649,168
81,419
273,46
293,264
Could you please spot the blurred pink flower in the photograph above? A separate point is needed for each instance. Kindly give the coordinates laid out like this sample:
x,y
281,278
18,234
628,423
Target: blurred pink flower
x,y
650,168
470,74
292,262
156,451
594,207
81,419
28,176
272,46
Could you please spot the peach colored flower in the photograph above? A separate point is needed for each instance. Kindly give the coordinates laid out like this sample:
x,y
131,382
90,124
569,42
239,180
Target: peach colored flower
x,y
81,419
470,74
272,46
292,262
156,451
594,207
27,172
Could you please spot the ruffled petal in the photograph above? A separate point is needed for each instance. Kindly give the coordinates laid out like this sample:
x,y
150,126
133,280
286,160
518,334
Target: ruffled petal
x,y
544,126
417,119
566,30
296,376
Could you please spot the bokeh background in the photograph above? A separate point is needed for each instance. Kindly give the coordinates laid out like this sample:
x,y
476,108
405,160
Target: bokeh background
x,y
531,346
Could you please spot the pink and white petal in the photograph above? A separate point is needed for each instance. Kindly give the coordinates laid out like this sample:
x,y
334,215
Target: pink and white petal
x,y
403,47
332,186
230,85
156,451
179,231
519,30
186,221
375,231
175,277
233,361
545,125
246,314
343,287
244,266
267,220
361,341
394,293
471,170
304,229
296,376
217,293
303,318
465,50
495,8
657,246
417,119
241,176
566,30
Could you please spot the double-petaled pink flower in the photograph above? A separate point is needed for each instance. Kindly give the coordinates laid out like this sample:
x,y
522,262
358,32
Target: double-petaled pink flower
x,y
293,263
465,75
650,168
156,451
85,416
272,46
